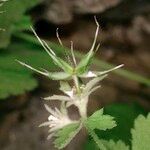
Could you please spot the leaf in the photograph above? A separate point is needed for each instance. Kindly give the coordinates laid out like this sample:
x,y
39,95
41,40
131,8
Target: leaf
x,y
99,73
141,133
58,97
64,86
121,72
83,66
66,134
65,66
90,145
24,24
124,115
15,83
111,145
59,76
96,139
15,79
58,61
2,2
14,11
99,63
100,121
93,82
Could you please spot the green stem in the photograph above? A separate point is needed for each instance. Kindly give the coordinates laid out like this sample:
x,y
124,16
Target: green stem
x,y
76,82
96,140
83,110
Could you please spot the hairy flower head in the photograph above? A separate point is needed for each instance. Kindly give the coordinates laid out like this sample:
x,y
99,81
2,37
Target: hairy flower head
x,y
56,120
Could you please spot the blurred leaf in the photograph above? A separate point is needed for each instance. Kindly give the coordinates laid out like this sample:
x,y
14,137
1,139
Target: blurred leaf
x,y
99,63
28,50
14,12
15,79
15,83
124,115
141,133
99,121
122,72
24,24
65,135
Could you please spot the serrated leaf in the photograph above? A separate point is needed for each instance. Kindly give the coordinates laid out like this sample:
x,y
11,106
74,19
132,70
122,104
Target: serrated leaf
x,y
124,115
141,133
15,83
111,145
15,79
90,145
66,134
13,16
100,121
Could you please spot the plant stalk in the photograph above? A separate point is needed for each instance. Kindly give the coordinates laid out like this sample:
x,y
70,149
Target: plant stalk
x,y
96,139
77,85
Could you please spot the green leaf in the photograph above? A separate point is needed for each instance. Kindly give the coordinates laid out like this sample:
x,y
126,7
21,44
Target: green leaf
x,y
59,76
58,61
84,64
66,134
93,82
14,11
96,139
90,145
2,2
65,66
14,78
24,24
141,133
15,83
111,145
100,121
99,63
124,115
121,72
64,86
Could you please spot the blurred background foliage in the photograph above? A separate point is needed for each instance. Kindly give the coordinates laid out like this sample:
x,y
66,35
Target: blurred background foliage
x,y
124,39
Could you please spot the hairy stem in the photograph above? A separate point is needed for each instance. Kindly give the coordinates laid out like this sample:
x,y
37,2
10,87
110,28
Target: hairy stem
x,y
77,85
82,104
96,139
83,110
